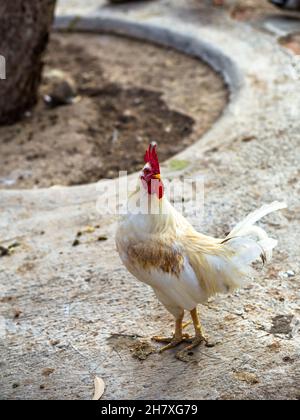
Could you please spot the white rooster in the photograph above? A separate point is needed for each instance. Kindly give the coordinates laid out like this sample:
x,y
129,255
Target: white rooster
x,y
184,267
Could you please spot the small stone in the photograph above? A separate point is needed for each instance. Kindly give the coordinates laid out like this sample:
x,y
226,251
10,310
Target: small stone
x,y
290,273
288,359
3,251
54,342
282,324
102,238
60,88
17,313
287,274
76,242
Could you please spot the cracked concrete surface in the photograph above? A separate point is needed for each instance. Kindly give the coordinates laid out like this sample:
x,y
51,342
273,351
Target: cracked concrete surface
x,y
68,313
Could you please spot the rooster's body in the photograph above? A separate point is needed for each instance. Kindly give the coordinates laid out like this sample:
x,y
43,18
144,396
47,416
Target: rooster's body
x,y
184,268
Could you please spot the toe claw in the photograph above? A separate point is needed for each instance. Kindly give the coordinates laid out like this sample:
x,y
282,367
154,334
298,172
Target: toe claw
x,y
185,337
169,346
184,355
171,341
160,339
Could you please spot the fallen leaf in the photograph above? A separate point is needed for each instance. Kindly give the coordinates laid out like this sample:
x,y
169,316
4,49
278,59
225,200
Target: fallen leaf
x,y
249,378
142,350
99,388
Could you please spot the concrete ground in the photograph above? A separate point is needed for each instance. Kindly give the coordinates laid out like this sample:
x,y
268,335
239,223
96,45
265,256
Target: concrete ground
x,y
69,313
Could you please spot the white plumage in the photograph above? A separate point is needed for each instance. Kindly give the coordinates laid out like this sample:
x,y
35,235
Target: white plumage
x,y
183,266
224,266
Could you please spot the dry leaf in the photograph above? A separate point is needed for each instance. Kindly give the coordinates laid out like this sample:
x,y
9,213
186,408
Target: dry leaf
x,y
141,350
99,388
249,378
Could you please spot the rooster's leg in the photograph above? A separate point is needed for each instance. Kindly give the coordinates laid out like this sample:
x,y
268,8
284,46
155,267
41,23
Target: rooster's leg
x,y
197,340
177,338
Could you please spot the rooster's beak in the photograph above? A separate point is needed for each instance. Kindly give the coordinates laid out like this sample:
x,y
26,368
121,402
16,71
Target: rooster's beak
x,y
157,176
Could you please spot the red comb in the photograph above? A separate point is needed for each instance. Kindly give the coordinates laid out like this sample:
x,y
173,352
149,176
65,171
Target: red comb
x,y
152,158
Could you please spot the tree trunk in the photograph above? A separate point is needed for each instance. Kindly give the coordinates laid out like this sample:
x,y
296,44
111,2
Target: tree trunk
x,y
24,32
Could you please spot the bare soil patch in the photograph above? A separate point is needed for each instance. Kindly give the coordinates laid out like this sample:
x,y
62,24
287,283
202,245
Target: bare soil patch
x,y
130,93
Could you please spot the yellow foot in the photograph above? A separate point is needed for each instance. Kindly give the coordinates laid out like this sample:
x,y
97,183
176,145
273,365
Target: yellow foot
x,y
186,324
184,354
172,341
160,339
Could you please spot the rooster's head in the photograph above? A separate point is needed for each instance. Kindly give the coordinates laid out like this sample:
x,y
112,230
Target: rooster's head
x,y
150,175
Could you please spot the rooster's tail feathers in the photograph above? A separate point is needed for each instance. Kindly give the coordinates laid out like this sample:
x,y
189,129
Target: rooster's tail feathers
x,y
231,267
262,246
242,228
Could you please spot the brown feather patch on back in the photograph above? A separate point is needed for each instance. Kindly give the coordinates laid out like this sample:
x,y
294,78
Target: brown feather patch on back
x,y
156,255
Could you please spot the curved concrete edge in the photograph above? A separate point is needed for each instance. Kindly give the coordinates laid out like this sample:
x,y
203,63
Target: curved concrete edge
x,y
163,36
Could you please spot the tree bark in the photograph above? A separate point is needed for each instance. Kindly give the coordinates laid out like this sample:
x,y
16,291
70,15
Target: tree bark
x,y
24,33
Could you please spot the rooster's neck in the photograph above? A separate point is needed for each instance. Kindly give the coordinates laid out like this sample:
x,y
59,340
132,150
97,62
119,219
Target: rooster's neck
x,y
147,214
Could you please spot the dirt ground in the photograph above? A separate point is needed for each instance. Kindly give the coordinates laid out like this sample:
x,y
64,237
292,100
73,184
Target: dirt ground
x,y
127,96
68,313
